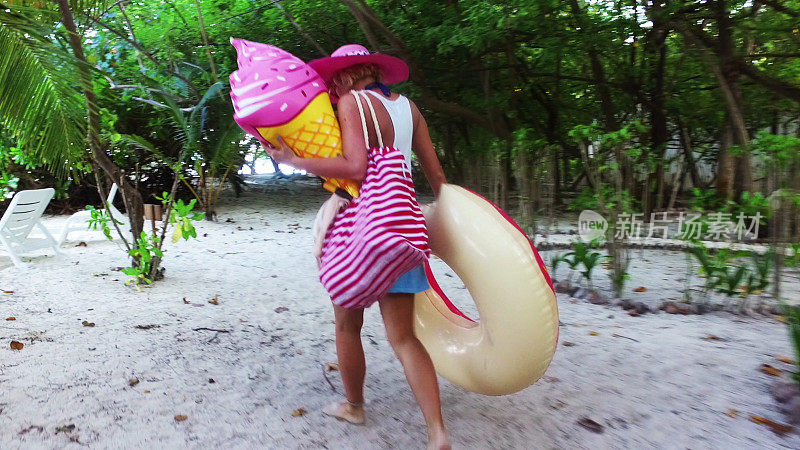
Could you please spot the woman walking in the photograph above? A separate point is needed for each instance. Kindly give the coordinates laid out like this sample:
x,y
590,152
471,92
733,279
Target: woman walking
x,y
376,245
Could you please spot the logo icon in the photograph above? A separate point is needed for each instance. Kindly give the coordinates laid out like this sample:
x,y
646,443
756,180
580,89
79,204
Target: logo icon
x,y
591,225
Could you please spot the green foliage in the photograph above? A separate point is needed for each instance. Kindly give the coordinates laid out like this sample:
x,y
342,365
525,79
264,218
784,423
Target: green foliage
x,y
581,255
792,314
726,274
100,219
144,250
39,104
705,200
181,217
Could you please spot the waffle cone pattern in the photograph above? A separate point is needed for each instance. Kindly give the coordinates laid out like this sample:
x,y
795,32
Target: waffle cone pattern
x,y
274,93
314,133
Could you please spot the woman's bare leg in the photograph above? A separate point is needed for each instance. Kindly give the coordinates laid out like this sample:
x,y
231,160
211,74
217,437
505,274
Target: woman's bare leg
x,y
398,317
351,364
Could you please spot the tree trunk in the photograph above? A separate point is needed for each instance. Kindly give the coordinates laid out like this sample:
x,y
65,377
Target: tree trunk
x,y
131,197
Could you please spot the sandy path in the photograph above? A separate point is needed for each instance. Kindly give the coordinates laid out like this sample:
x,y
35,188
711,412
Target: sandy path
x,y
669,388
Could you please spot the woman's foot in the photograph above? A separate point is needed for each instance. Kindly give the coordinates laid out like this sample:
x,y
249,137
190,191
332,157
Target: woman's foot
x,y
438,440
347,411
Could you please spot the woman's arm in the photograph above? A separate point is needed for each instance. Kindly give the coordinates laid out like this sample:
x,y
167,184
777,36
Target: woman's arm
x,y
423,147
352,164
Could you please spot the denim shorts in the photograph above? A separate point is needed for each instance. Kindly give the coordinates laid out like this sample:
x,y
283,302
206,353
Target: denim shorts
x,y
411,282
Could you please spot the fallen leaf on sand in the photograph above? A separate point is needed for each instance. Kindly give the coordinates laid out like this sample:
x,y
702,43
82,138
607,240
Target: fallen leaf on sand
x,y
590,424
711,337
81,244
38,428
769,370
568,344
16,345
640,289
299,412
786,360
634,314
65,428
215,300
732,413
281,309
133,382
299,352
211,380
86,323
593,333
781,319
8,292
146,391
331,366
777,428
186,302
11,318
180,417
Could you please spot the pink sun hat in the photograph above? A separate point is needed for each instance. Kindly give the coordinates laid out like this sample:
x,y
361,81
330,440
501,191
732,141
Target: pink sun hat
x,y
394,70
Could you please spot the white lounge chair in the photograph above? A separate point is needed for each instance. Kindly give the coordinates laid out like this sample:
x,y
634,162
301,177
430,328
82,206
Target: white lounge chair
x,y
80,220
23,213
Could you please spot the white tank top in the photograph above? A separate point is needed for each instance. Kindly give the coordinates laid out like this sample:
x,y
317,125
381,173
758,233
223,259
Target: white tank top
x,y
399,111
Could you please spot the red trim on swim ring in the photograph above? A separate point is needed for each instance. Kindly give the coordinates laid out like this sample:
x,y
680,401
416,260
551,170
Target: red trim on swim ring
x,y
435,286
539,261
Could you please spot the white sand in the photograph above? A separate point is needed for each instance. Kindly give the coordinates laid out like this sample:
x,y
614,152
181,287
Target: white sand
x,y
670,388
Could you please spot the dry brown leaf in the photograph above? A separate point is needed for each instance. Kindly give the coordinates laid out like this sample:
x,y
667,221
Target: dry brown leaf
x,y
777,428
215,300
769,370
146,391
640,289
211,380
16,345
86,323
133,382
181,417
711,337
186,302
786,360
732,413
11,318
81,244
299,352
590,424
593,333
634,314
331,366
299,412
781,319
8,292
568,344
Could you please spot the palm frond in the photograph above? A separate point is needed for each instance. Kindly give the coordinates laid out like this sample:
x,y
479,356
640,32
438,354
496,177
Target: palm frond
x,y
38,102
225,148
142,143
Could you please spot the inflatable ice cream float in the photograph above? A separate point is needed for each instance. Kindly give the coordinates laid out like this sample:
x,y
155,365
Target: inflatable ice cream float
x,y
274,93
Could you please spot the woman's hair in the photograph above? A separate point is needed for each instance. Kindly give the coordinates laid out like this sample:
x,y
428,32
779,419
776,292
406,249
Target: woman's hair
x,y
346,78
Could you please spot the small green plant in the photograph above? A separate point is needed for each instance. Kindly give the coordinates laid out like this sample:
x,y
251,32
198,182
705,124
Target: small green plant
x,y
794,259
726,274
792,314
147,247
582,254
100,220
182,217
555,261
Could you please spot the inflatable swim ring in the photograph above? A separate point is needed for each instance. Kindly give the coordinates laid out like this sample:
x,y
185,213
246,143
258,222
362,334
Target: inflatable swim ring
x,y
512,344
